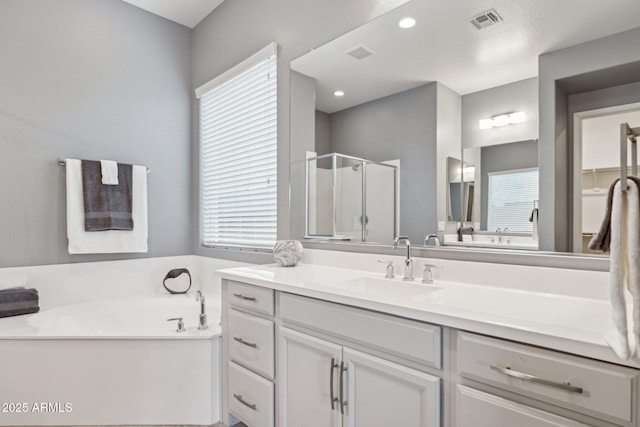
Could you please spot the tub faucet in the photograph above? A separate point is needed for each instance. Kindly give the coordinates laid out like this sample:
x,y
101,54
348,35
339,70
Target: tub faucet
x,y
202,324
408,263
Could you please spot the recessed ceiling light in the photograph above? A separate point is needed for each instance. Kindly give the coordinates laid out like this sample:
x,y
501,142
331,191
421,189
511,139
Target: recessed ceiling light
x,y
407,23
338,93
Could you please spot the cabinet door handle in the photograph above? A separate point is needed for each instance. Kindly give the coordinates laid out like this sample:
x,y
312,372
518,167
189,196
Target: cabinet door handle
x,y
343,402
248,344
532,378
331,396
244,402
254,299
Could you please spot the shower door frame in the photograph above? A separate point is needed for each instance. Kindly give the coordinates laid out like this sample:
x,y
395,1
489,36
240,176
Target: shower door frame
x,y
334,178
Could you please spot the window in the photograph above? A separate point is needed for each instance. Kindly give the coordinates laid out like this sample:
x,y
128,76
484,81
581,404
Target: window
x,y
238,154
511,197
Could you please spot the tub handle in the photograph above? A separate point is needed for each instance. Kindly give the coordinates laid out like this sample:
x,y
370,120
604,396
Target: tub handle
x,y
180,323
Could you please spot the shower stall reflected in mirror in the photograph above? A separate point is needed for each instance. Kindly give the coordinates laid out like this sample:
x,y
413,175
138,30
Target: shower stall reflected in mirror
x,y
351,199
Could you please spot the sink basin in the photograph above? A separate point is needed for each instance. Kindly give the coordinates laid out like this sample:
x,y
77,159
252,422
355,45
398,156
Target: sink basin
x,y
389,288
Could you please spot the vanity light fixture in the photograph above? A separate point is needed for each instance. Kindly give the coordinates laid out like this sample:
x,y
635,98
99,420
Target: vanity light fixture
x,y
407,23
339,93
502,120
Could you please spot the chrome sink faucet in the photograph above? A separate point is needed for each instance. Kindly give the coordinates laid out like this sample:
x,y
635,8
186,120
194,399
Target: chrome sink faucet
x,y
408,263
430,237
202,324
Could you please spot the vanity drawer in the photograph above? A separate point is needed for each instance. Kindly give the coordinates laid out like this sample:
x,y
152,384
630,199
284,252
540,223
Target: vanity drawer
x,y
478,409
250,397
251,341
251,297
577,383
408,339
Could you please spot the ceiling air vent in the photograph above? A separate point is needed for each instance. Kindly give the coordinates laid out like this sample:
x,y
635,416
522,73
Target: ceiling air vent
x,y
359,52
485,19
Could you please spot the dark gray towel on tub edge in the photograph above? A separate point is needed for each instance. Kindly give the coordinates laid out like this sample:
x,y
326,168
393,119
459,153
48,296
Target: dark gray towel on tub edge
x,y
14,302
106,207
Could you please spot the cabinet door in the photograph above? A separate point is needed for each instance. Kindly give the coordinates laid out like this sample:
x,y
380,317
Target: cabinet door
x,y
382,393
478,409
308,368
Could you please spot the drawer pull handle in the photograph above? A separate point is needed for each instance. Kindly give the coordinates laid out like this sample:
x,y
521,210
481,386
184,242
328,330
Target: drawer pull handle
x,y
332,397
254,299
343,402
248,344
244,402
528,377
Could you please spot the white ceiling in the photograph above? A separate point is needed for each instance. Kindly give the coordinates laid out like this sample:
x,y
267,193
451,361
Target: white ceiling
x,y
186,12
444,47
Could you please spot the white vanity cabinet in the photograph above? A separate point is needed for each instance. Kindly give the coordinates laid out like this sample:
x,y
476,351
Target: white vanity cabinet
x,y
530,386
479,409
308,381
249,354
324,382
292,360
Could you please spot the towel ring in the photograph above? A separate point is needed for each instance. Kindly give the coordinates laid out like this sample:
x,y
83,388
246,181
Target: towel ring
x,y
172,274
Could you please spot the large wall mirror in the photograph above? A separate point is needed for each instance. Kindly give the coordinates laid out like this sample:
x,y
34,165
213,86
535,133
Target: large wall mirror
x,y
429,126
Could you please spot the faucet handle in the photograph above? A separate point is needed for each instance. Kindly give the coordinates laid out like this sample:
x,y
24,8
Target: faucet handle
x,y
427,276
180,323
390,272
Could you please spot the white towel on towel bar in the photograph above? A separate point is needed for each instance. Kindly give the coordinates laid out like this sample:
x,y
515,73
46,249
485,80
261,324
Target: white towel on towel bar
x,y
109,170
110,241
624,271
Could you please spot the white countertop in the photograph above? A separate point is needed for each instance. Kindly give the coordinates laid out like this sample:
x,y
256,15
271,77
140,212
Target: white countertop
x,y
565,323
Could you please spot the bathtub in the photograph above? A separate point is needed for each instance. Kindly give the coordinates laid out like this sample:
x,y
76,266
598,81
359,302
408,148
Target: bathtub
x,y
139,317
111,362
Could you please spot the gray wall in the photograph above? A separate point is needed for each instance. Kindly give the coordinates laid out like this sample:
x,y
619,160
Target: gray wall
x,y
517,96
400,126
90,79
303,96
449,143
237,29
504,157
603,98
556,72
323,133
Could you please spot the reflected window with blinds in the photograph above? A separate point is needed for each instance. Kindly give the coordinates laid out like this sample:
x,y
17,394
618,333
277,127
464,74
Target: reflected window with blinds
x,y
511,198
238,154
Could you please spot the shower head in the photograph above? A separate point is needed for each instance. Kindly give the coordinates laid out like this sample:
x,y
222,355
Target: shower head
x,y
356,167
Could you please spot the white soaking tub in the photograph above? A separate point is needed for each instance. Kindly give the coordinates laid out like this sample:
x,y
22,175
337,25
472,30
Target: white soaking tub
x,y
111,362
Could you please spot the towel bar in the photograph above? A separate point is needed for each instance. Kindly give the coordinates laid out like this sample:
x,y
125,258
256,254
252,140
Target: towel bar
x,y
63,162
628,134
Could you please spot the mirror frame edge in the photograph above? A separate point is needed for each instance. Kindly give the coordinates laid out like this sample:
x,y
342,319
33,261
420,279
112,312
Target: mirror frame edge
x,y
566,260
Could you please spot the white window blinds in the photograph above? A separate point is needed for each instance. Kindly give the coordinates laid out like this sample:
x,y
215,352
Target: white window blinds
x,y
511,197
238,154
